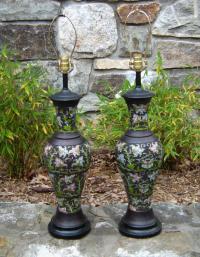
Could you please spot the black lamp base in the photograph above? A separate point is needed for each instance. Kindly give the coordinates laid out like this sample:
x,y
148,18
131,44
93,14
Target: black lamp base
x,y
69,226
140,224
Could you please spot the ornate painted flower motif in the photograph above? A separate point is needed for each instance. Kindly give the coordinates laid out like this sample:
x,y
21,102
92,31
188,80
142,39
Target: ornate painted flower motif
x,y
51,176
60,202
59,163
131,207
147,162
47,149
154,147
67,183
139,165
75,151
67,166
144,188
66,118
69,188
137,150
139,162
152,176
139,116
59,121
121,158
80,160
135,177
62,209
139,203
120,146
62,151
69,179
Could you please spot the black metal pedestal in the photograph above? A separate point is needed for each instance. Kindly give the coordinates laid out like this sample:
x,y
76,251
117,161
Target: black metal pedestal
x,y
69,226
140,224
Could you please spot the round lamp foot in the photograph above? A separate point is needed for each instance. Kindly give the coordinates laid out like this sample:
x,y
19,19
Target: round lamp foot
x,y
140,224
69,226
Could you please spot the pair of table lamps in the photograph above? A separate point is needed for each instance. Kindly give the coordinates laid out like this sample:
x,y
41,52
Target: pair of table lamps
x,y
138,153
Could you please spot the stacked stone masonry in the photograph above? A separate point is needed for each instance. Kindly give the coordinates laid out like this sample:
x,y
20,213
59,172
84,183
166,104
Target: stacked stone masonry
x,y
105,39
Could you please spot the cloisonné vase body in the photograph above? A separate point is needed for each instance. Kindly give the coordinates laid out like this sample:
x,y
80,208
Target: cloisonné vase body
x,y
67,156
139,155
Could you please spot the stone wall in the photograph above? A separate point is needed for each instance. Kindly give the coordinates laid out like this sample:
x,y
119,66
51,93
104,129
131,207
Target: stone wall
x,y
104,39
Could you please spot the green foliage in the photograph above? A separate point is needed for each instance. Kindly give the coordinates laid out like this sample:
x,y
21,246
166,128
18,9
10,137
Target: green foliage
x,y
168,117
111,123
26,115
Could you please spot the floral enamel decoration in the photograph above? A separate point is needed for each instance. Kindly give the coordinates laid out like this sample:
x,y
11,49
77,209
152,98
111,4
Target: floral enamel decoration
x,y
139,117
66,118
139,156
67,156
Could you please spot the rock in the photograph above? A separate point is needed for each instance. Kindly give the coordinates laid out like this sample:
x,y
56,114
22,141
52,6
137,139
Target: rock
x,y
104,237
110,83
29,41
109,1
19,212
148,78
177,76
53,75
173,214
89,103
121,252
192,254
165,3
197,209
79,77
28,10
179,20
3,246
151,9
179,54
3,242
109,64
112,1
193,116
38,250
134,39
94,37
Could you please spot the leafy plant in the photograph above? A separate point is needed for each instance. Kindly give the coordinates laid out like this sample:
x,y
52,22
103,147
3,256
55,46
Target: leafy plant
x,y
26,115
111,122
168,117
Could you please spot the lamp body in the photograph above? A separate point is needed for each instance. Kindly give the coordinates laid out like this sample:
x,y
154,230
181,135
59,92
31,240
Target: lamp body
x,y
67,156
139,155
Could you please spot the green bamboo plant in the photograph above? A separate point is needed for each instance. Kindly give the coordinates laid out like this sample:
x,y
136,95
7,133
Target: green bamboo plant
x,y
26,115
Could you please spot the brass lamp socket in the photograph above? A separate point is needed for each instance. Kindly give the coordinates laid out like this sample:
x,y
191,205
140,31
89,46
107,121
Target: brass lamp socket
x,y
137,62
65,65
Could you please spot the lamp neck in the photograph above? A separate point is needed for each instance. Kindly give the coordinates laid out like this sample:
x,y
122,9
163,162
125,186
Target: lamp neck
x,y
138,82
66,115
66,118
65,81
139,117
